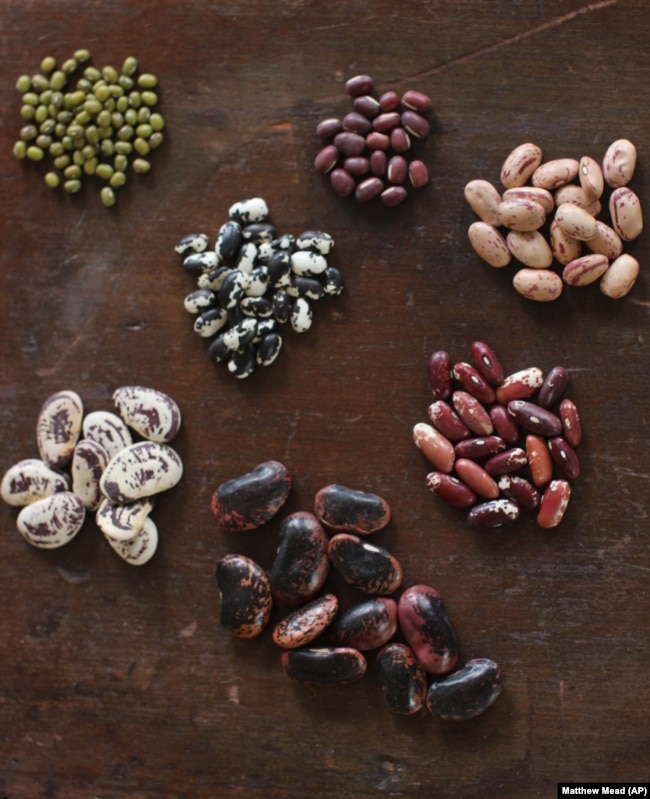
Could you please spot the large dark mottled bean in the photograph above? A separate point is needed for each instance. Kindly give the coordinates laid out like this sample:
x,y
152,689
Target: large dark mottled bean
x,y
324,666
301,564
305,624
345,509
368,625
248,501
425,624
246,599
403,680
467,692
368,567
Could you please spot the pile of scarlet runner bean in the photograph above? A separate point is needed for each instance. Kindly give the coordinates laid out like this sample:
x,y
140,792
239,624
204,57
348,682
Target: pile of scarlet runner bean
x,y
488,430
322,646
91,463
366,154
572,209
253,281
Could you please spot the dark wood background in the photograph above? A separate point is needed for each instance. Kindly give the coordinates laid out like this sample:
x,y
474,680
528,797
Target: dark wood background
x,y
118,682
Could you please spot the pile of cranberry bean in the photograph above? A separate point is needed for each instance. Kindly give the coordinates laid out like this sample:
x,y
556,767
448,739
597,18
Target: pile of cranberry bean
x,y
555,217
91,463
498,441
253,281
366,151
407,631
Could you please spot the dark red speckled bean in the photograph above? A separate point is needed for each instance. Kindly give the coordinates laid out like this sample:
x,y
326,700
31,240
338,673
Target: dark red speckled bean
x,y
487,363
347,510
305,624
504,425
553,505
368,567
474,383
451,489
494,513
324,666
403,681
425,624
246,599
472,413
564,456
570,422
519,490
481,447
301,564
535,418
248,501
439,371
445,419
553,387
368,625
506,462
467,692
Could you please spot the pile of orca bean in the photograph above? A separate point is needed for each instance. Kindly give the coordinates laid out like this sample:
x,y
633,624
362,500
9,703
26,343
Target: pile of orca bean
x,y
559,210
91,463
252,282
365,153
496,441
416,653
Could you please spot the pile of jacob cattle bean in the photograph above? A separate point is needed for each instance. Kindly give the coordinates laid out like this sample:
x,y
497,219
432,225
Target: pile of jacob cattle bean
x,y
367,150
92,128
91,463
567,212
497,440
252,282
323,645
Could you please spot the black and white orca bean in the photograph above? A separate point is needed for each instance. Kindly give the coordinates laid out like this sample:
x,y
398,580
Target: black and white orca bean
x,y
192,242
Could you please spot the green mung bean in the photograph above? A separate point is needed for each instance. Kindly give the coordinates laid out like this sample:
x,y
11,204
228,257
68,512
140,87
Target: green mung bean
x,y
24,84
117,179
20,150
147,81
107,196
69,66
72,171
104,171
130,66
109,74
141,146
48,64
35,153
82,55
141,165
62,161
52,180
72,186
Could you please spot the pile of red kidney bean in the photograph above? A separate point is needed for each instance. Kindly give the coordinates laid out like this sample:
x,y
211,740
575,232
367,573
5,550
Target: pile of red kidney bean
x,y
365,153
252,283
497,441
406,630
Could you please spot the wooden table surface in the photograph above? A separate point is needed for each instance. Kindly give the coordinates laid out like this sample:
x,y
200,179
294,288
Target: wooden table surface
x,y
118,681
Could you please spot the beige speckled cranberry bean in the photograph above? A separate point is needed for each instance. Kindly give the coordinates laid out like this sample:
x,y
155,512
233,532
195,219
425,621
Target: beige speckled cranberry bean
x,y
489,244
620,277
520,165
521,214
575,221
483,199
472,413
530,247
520,385
541,285
553,174
606,241
591,177
625,210
565,248
539,460
619,162
577,196
553,504
434,446
585,270
538,195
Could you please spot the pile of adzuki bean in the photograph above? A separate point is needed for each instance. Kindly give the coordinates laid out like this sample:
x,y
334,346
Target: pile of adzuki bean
x,y
572,209
497,441
322,646
252,282
366,151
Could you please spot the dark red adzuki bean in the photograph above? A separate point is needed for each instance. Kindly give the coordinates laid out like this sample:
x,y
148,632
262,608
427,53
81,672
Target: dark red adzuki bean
x,y
359,85
425,624
368,625
363,565
403,681
324,665
467,692
367,105
248,501
342,182
357,123
246,599
348,510
328,128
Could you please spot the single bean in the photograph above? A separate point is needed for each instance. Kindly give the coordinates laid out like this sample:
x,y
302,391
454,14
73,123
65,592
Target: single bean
x,y
425,624
519,490
368,625
480,447
520,165
585,270
531,248
565,457
575,221
519,385
467,693
553,387
386,121
58,427
434,446
378,141
416,101
415,124
571,425
476,478
625,211
346,509
439,373
367,105
389,101
451,489
472,413
540,285
393,195
489,244
403,680
553,174
301,564
620,277
534,418
365,566
553,505
619,162
349,144
473,382
591,177
539,460
248,501
606,241
504,425
246,600
446,420
541,196
506,462
359,85
493,513
141,470
487,362
306,623
565,248
342,182
484,200
53,521
521,214
324,665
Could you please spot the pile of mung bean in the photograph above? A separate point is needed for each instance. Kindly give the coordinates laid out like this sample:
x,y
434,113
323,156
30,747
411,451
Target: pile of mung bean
x,y
252,282
406,631
561,205
111,464
99,126
497,441
366,151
